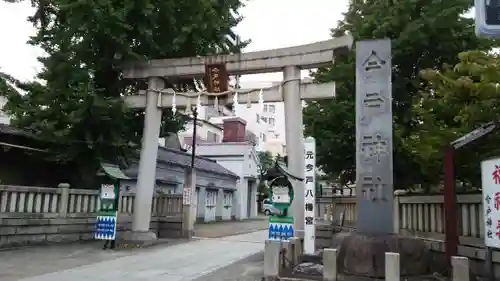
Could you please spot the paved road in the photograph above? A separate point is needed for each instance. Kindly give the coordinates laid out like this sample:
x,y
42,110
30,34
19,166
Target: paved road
x,y
221,229
180,262
249,269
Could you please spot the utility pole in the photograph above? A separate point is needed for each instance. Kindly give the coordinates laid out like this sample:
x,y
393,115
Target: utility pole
x,y
195,125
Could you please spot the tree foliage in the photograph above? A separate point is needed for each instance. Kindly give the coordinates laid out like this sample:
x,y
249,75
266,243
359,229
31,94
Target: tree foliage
x,y
456,100
77,105
266,161
424,34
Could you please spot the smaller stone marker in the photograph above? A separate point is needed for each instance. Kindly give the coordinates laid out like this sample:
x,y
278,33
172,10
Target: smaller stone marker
x,y
330,264
392,267
271,259
460,268
297,249
288,256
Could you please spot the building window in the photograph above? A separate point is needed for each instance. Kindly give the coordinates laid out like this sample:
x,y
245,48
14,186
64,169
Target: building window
x,y
264,119
265,107
271,121
272,108
211,136
258,118
264,137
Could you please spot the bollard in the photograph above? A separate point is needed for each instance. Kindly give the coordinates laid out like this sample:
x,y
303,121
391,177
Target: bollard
x,y
330,264
460,268
296,249
392,267
288,254
271,259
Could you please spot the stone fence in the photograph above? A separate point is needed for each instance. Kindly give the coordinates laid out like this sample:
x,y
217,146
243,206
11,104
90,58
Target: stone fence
x,y
37,215
420,216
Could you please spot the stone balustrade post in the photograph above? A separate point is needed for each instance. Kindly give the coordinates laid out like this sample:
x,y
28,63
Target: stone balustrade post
x,y
63,190
396,212
272,250
460,268
330,264
287,247
392,267
296,249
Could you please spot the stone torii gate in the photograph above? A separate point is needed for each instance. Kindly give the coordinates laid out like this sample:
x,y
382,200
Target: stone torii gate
x,y
290,60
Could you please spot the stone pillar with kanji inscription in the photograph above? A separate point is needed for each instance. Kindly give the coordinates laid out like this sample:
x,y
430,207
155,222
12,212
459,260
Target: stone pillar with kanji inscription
x,y
361,251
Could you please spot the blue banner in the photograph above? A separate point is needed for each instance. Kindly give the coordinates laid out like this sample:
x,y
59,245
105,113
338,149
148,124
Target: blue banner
x,y
281,230
105,228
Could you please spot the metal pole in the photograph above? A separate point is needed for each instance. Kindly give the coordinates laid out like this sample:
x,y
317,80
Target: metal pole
x,y
195,124
450,206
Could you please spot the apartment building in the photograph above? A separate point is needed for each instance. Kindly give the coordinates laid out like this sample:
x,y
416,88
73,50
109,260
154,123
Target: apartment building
x,y
267,120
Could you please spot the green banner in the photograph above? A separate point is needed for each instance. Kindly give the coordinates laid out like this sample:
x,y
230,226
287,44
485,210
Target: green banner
x,y
107,213
275,219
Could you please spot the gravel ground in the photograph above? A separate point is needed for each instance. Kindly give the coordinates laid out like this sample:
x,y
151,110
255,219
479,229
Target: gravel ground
x,y
249,269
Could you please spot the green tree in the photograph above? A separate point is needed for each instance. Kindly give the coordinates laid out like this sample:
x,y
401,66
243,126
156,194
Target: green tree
x,y
78,108
456,100
425,34
266,161
7,85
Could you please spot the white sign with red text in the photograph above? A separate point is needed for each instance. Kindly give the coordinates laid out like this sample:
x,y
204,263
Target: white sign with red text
x,y
490,179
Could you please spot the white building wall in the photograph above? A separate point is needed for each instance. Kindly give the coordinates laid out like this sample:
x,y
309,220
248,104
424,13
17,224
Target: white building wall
x,y
276,146
241,159
235,165
272,130
254,121
203,129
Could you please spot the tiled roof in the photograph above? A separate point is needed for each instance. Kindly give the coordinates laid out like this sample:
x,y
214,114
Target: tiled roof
x,y
183,159
10,130
166,155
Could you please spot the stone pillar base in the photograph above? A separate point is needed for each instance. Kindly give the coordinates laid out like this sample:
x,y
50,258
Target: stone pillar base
x,y
189,234
364,254
137,238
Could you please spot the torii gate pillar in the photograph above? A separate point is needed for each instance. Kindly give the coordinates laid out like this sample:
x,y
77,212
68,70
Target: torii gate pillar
x,y
146,178
294,141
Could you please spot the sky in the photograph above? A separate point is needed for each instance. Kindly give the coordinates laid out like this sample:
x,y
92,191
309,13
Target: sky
x,y
268,23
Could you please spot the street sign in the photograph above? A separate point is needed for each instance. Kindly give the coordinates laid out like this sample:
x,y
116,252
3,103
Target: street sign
x,y
487,18
374,182
490,179
309,193
280,228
